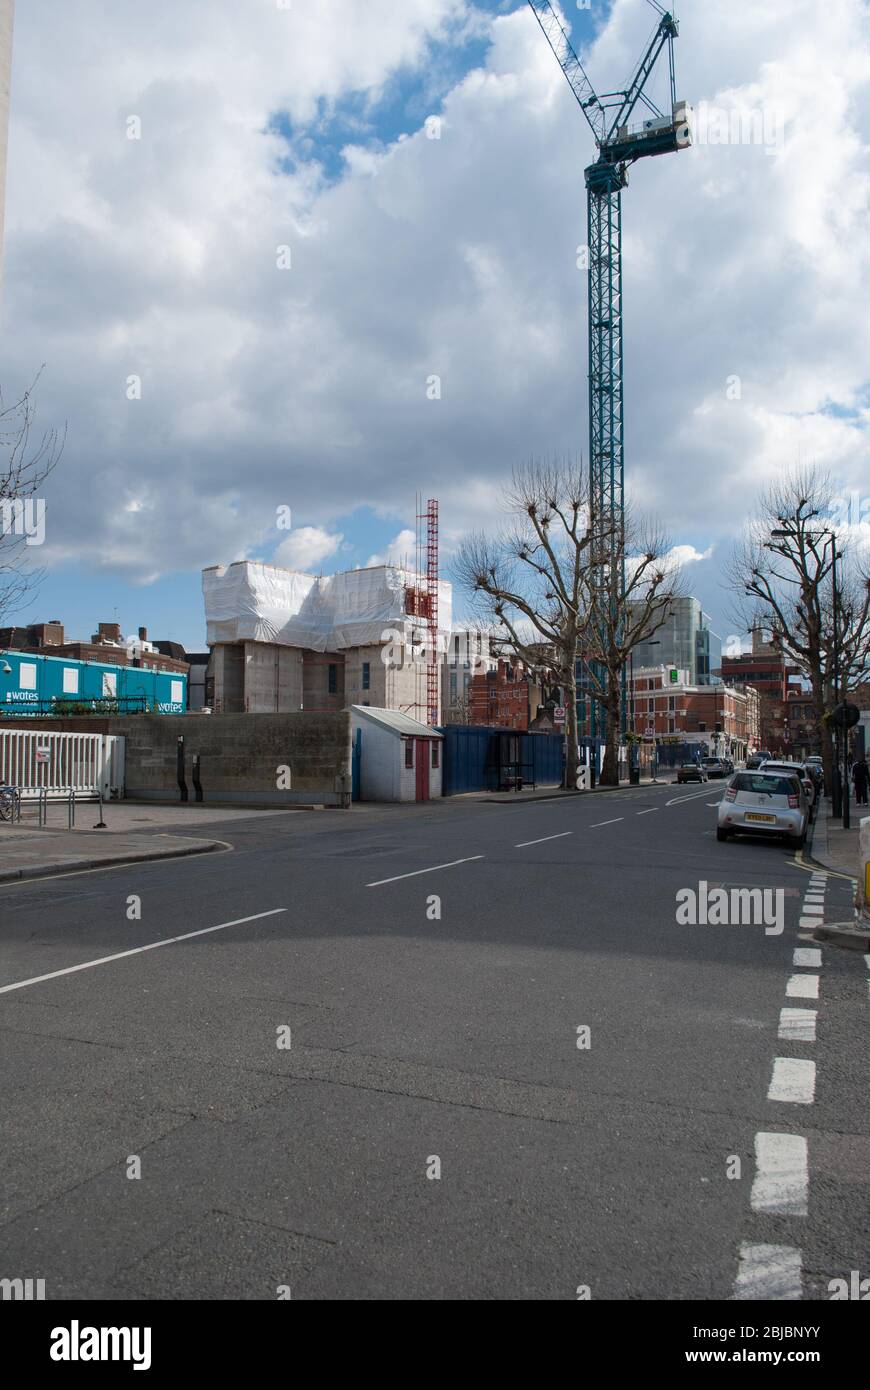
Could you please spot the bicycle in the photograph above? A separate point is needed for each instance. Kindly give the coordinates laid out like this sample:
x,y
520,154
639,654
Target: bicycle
x,y
7,803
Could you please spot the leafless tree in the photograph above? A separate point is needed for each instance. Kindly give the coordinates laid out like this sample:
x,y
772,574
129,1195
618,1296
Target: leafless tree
x,y
528,582
537,585
782,571
25,463
628,608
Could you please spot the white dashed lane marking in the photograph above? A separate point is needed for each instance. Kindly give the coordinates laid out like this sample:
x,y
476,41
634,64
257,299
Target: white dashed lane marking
x,y
803,987
525,843
139,950
793,1081
598,824
782,1179
807,955
797,1025
452,865
769,1273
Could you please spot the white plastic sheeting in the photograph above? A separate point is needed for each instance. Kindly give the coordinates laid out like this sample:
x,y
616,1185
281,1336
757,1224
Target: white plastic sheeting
x,y
247,602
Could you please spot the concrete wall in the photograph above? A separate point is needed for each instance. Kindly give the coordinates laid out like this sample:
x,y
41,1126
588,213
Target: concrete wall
x,y
6,12
240,755
315,681
273,678
228,665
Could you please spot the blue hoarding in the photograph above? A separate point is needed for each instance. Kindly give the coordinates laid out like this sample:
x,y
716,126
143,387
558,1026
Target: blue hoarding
x,y
32,684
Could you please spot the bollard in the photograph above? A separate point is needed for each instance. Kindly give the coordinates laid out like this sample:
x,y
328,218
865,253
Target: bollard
x,y
864,871
101,824
71,808
179,768
197,784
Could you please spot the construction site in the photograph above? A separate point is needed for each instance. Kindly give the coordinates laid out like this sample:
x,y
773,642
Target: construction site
x,y
284,641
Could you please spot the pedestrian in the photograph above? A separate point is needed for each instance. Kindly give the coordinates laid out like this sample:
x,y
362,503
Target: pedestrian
x,y
861,778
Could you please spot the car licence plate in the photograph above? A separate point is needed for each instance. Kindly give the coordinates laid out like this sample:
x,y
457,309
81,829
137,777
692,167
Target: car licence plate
x,y
756,815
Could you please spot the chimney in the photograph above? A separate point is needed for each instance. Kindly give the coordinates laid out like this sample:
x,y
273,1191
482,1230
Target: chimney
x,y
109,632
143,634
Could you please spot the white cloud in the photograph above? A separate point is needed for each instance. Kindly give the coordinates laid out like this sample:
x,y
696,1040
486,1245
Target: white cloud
x,y
454,257
306,548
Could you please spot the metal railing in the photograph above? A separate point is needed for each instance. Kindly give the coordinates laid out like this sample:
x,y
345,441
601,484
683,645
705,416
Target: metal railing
x,y
11,799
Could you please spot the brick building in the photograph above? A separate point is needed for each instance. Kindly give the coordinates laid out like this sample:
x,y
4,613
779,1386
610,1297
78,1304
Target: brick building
x,y
725,719
507,697
106,646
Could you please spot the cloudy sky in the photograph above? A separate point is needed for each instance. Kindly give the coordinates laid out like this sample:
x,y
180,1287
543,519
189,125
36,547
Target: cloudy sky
x,y
284,258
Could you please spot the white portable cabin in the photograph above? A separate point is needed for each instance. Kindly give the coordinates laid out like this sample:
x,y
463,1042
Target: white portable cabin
x,y
400,758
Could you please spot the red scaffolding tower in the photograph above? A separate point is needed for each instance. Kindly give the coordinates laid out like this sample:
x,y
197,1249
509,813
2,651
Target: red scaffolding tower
x,y
432,700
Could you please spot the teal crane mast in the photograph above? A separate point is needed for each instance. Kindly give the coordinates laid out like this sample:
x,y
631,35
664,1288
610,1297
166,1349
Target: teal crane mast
x,y
620,144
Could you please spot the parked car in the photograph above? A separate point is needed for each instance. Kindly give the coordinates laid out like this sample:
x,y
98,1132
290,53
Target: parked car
x,y
756,759
691,772
802,771
764,803
715,767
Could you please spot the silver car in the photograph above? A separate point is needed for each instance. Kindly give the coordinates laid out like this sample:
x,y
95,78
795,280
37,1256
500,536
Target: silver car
x,y
801,770
764,803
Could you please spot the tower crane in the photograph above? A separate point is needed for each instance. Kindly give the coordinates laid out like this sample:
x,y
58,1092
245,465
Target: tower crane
x,y
620,144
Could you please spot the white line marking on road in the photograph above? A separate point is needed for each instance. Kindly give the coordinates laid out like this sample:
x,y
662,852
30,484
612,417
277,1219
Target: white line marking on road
x,y
802,987
676,800
381,881
138,950
599,823
770,1273
810,922
793,1081
797,1025
525,844
867,962
782,1179
814,898
813,909
649,810
807,955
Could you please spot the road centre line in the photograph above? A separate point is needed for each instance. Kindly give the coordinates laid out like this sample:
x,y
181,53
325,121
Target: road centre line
x,y
417,872
598,824
649,810
138,950
525,843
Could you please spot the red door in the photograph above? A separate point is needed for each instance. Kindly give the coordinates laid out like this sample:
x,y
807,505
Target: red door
x,y
422,756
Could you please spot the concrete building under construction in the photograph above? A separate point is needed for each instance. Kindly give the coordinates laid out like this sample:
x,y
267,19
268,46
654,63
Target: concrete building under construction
x,y
282,640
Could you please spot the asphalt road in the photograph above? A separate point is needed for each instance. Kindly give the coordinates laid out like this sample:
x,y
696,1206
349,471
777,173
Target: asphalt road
x,y
434,1016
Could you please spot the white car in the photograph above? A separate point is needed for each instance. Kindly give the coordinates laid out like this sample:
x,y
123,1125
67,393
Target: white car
x,y
764,803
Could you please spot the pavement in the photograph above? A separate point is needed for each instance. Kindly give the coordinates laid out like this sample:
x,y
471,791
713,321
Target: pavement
x,y
134,832
447,1051
837,850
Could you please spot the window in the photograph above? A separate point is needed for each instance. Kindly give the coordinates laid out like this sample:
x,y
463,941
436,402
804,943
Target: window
x,y
702,728
176,692
333,679
27,676
652,707
70,680
367,675
409,753
110,684
671,703
436,753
